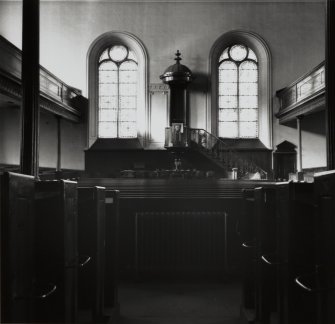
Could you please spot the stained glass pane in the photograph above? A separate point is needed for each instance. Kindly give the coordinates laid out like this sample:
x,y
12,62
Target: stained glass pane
x,y
228,72
248,114
248,72
227,89
228,115
128,72
248,129
127,129
127,89
238,52
117,94
248,89
108,115
107,66
224,55
108,79
227,102
104,55
248,101
128,115
132,56
128,102
107,129
128,66
118,53
107,89
252,55
228,129
128,76
238,93
108,102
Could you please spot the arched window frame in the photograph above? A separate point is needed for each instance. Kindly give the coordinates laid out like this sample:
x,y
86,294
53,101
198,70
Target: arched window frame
x,y
258,45
99,44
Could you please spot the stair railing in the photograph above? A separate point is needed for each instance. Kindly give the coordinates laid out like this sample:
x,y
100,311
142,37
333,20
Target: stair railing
x,y
218,150
214,148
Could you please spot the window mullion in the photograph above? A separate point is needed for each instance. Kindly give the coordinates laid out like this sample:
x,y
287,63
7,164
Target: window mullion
x,y
238,100
118,103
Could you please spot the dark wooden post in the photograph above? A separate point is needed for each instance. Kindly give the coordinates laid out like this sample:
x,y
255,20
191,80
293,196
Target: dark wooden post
x,y
59,145
330,83
30,88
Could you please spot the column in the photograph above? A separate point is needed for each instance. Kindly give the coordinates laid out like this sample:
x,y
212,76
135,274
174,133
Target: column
x,y
330,83
30,88
299,162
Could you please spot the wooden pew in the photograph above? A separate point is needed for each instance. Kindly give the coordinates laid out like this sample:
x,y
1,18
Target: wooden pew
x,y
266,253
91,242
321,282
17,251
296,252
112,253
247,232
56,254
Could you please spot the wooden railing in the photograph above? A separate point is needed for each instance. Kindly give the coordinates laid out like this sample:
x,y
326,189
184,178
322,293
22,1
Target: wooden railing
x,y
56,96
304,96
215,149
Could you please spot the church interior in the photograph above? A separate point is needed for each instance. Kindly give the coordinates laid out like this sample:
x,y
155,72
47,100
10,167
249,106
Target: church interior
x,y
167,161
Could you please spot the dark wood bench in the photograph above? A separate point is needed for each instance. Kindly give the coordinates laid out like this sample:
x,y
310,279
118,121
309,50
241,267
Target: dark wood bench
x,y
91,244
111,302
18,291
56,254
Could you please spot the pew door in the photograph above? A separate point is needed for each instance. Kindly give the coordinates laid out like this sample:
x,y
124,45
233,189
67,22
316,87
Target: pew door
x,y
324,283
266,253
112,251
91,246
56,249
247,231
296,252
17,253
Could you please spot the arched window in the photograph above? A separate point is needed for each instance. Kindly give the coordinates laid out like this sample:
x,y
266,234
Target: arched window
x,y
238,93
117,88
240,69
118,74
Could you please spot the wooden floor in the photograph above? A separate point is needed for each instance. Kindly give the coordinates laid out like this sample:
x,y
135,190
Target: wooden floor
x,y
180,303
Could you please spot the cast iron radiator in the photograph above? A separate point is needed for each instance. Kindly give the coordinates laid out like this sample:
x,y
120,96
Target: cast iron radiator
x,y
181,243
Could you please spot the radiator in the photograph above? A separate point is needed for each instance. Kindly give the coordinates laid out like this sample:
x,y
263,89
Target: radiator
x,y
181,242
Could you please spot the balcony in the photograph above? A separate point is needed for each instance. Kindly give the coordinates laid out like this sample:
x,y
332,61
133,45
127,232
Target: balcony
x,y
55,96
304,96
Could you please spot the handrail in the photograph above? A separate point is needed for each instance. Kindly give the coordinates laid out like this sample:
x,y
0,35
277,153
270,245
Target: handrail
x,y
220,151
309,87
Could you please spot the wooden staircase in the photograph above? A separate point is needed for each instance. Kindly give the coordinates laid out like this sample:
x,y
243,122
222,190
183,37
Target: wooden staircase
x,y
233,165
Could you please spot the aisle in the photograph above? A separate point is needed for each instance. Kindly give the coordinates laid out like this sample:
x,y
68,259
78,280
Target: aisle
x,y
180,303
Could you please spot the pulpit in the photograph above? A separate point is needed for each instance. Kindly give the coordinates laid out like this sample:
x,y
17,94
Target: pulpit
x,y
178,77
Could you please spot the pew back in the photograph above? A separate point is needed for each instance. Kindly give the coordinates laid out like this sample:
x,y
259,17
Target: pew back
x,y
17,252
91,243
56,249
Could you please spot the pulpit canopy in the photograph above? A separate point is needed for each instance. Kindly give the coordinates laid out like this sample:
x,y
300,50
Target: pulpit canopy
x,y
177,73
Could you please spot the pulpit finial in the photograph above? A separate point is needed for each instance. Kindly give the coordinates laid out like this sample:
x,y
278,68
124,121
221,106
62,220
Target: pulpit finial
x,y
178,58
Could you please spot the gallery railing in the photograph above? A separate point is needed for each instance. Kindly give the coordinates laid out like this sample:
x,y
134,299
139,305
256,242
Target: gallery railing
x,y
305,95
56,96
236,166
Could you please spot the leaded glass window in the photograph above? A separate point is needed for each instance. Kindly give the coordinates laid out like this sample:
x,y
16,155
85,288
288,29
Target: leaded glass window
x,y
118,74
238,93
